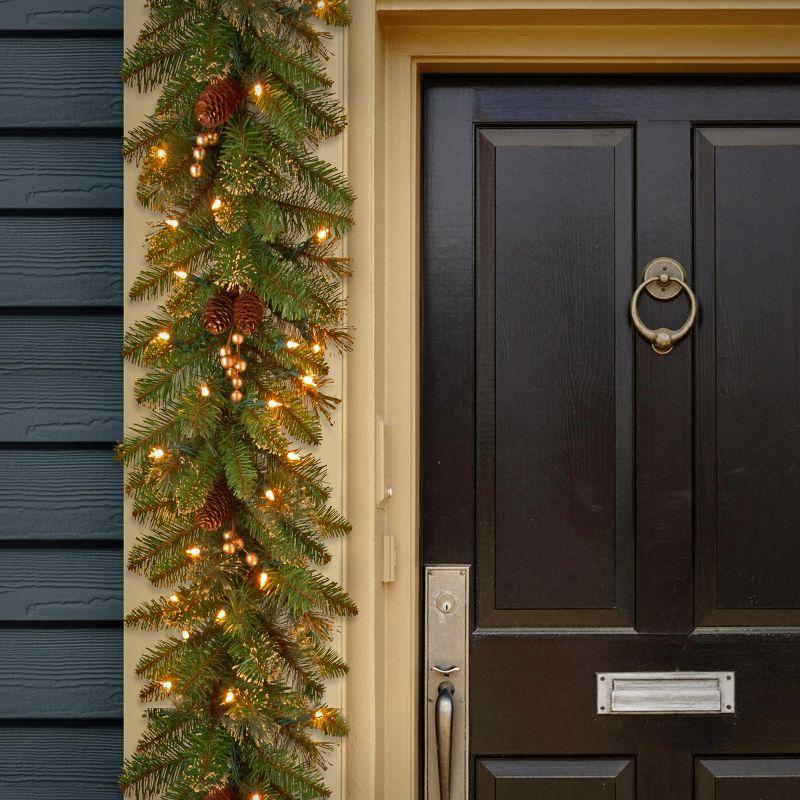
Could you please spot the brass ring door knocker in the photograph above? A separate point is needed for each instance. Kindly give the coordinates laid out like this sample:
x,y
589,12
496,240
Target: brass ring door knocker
x,y
663,279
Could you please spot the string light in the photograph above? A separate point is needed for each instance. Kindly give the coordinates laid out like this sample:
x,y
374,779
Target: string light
x,y
181,274
164,336
229,696
308,380
263,580
172,222
204,390
221,614
258,89
317,347
161,153
323,233
173,598
272,403
193,552
255,796
251,559
270,495
167,685
319,714
321,5
292,344
216,204
157,453
185,634
293,455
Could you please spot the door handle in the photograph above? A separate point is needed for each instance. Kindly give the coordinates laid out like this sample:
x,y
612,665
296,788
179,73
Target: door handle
x,y
444,735
667,275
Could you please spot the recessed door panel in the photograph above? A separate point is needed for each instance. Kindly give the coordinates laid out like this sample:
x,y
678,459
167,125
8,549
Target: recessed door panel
x,y
554,406
548,779
748,779
748,375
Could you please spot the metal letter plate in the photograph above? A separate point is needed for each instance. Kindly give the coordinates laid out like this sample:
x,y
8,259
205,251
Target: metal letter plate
x,y
446,640
666,692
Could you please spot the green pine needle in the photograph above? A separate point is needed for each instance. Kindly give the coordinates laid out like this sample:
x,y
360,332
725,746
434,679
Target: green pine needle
x,y
246,623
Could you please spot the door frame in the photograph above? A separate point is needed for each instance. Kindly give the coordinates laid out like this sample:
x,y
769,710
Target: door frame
x,y
391,44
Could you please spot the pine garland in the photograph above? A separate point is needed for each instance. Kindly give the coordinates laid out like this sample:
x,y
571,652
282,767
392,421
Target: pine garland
x,y
244,256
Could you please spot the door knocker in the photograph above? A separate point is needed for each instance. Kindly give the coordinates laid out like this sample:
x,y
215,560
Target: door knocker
x,y
663,279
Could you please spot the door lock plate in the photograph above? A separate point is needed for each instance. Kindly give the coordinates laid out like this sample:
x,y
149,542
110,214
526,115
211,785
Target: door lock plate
x,y
446,662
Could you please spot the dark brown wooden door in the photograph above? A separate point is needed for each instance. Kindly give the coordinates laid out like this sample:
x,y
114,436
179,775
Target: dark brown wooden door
x,y
622,510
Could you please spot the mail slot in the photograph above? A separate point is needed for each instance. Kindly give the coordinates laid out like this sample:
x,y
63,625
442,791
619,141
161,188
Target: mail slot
x,y
666,692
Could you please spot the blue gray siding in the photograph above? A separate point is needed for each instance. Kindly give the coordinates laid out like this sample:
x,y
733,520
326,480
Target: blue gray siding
x,y
60,399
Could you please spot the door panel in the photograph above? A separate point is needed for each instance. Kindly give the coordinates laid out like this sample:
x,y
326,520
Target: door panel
x,y
623,511
579,779
555,492
748,778
748,245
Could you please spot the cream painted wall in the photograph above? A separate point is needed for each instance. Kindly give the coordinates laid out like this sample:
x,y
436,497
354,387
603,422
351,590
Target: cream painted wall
x,y
330,451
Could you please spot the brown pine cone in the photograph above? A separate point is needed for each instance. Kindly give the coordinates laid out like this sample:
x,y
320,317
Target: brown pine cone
x,y
248,312
218,101
216,509
218,315
221,794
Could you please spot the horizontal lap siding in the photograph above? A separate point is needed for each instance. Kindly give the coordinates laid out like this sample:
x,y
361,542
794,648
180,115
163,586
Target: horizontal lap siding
x,y
60,399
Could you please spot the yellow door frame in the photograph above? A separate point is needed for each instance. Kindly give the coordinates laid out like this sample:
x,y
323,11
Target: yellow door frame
x,y
390,45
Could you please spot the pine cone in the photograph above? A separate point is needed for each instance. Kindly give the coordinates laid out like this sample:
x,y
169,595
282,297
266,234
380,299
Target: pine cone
x,y
218,315
217,508
248,312
218,101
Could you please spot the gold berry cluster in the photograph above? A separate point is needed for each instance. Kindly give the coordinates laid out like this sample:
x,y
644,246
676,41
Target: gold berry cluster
x,y
203,140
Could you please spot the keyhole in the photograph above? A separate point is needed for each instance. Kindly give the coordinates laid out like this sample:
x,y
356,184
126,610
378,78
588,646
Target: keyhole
x,y
446,602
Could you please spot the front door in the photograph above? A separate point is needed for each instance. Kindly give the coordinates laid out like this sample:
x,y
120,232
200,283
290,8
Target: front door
x,y
621,510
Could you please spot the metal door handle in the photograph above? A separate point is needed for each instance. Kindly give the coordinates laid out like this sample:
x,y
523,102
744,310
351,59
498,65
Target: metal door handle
x,y
663,339
444,735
